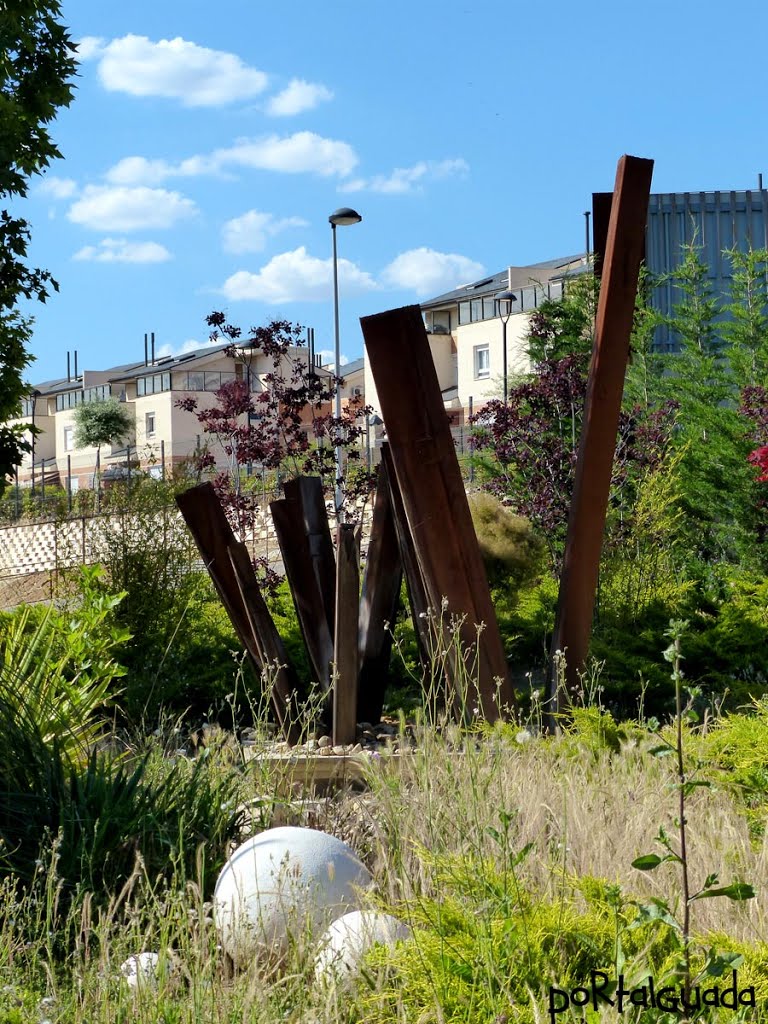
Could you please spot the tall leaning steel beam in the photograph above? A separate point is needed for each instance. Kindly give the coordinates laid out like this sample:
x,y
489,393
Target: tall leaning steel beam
x,y
586,523
436,507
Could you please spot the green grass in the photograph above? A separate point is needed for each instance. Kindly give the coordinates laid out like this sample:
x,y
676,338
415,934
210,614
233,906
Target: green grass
x,y
510,857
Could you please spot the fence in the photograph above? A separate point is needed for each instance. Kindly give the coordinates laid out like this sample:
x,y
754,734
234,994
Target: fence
x,y
33,555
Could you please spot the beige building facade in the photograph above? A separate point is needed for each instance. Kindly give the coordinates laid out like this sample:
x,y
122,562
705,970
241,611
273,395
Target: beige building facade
x,y
466,333
162,435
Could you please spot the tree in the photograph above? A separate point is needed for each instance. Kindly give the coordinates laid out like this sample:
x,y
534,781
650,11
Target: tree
x,y
746,329
37,63
286,425
98,423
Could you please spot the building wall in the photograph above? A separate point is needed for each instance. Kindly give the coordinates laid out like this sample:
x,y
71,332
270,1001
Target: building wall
x,y
714,221
489,332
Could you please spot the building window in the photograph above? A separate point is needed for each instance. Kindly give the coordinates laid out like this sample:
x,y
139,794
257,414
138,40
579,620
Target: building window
x,y
149,424
482,361
152,384
68,400
69,439
205,380
99,393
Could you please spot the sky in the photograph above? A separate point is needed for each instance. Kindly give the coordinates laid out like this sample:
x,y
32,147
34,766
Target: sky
x,y
207,145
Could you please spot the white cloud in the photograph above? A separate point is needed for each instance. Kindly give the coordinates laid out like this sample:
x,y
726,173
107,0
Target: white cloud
x,y
89,47
137,170
190,345
428,272
292,154
120,250
119,208
249,232
57,188
296,277
297,97
408,179
176,69
302,152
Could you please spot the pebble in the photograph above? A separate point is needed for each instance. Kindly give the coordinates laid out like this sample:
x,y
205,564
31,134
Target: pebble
x,y
324,741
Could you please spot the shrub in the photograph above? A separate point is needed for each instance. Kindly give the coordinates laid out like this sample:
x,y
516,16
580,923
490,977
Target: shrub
x,y
512,552
179,656
60,665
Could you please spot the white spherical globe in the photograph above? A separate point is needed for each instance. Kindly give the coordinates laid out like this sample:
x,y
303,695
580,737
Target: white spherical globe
x,y
343,945
141,970
286,881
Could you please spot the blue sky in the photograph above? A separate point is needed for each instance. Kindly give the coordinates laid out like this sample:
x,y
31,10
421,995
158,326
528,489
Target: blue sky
x,y
208,143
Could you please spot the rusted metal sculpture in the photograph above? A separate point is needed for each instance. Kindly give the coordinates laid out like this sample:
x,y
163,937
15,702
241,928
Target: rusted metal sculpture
x,y
231,571
422,528
618,291
434,498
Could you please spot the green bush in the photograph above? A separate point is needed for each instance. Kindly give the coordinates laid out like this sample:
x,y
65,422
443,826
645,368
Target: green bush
x,y
61,664
735,750
58,791
513,553
180,655
488,948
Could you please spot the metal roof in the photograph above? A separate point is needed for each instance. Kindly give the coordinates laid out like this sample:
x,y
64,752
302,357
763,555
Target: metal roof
x,y
548,270
167,363
352,367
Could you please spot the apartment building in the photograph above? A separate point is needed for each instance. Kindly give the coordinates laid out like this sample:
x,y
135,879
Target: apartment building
x,y
466,333
162,435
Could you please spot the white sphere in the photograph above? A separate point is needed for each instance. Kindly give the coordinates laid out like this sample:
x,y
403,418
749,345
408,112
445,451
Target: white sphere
x,y
343,945
140,970
286,881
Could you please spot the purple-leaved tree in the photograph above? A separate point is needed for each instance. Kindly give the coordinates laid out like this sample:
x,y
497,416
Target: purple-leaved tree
x,y
278,418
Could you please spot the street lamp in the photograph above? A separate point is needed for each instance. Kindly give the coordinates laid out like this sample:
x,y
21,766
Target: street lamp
x,y
34,396
503,303
339,218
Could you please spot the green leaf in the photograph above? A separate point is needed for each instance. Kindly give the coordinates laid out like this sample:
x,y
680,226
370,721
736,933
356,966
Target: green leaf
x,y
655,911
661,751
688,787
718,963
648,862
520,856
737,891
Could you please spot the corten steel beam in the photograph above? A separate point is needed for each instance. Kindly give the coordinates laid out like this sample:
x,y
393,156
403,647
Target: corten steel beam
x,y
308,492
238,590
597,445
345,650
434,498
288,520
601,218
378,604
274,660
414,581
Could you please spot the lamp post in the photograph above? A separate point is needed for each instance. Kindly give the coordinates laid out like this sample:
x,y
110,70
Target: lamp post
x,y
339,218
503,302
34,396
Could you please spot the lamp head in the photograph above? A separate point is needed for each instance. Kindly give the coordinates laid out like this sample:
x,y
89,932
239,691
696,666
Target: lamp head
x,y
503,302
344,217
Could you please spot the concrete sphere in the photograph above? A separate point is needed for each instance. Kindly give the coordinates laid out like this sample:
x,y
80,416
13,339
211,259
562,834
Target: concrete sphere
x,y
141,970
285,882
343,945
